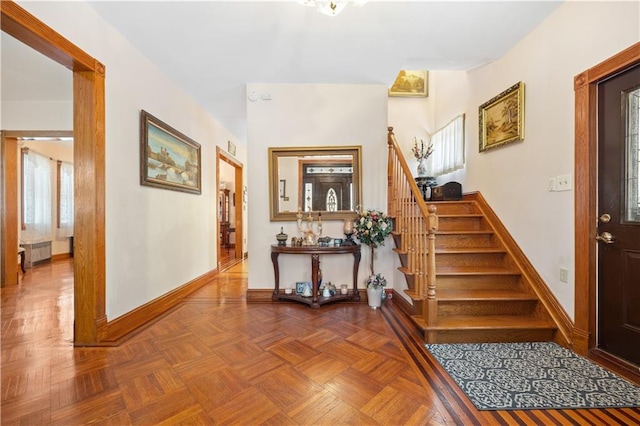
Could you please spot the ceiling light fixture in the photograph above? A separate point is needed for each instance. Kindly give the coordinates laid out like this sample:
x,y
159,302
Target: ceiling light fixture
x,y
331,8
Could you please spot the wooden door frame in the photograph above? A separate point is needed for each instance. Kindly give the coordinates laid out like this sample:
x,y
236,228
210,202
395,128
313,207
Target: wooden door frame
x,y
237,196
586,195
90,321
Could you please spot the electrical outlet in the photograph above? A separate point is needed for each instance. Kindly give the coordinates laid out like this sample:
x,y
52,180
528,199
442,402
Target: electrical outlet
x,y
564,182
564,275
552,184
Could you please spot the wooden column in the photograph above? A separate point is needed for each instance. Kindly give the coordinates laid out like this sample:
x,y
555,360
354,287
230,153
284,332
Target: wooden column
x,y
89,214
9,223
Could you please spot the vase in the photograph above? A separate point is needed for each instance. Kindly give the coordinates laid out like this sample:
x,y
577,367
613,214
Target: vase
x,y
374,297
422,167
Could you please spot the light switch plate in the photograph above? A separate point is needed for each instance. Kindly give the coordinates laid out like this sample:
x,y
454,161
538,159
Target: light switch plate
x,y
564,182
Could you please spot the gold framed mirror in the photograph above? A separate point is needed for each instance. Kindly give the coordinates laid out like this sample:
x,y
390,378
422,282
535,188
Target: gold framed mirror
x,y
325,179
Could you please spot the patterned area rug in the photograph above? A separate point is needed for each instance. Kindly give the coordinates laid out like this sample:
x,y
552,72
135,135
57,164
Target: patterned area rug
x,y
532,376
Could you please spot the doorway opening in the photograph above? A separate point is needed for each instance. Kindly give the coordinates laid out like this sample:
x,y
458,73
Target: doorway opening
x,y
90,322
586,208
230,211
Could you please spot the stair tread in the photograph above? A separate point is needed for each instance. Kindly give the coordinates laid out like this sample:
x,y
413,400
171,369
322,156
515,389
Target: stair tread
x,y
405,270
475,270
466,271
469,232
458,250
412,294
475,295
492,321
452,232
469,250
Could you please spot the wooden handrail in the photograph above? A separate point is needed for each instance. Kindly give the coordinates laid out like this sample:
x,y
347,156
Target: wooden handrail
x,y
417,224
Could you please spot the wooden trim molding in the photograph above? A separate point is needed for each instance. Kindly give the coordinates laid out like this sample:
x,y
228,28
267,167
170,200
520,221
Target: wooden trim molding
x,y
126,325
264,295
9,210
585,180
546,297
60,256
406,307
89,167
259,295
25,27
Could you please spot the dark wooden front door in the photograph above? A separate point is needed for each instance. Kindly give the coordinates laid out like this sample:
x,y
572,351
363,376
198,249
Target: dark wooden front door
x,y
332,193
619,215
326,186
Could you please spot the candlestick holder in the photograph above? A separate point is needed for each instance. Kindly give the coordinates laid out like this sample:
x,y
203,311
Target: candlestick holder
x,y
306,229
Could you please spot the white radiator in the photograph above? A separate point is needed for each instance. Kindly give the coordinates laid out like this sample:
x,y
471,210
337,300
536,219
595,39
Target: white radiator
x,y
36,253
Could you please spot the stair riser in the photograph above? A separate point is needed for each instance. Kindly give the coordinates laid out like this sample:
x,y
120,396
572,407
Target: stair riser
x,y
454,208
466,241
403,259
470,259
477,282
397,238
410,281
462,224
419,305
486,307
489,336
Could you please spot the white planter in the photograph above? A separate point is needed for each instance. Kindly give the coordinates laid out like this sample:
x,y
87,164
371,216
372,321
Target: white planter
x,y
374,297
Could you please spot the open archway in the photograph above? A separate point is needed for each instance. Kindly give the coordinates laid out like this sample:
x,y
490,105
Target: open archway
x,y
89,169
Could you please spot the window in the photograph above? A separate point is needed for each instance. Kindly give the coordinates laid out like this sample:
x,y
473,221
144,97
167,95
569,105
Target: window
x,y
36,197
65,199
448,148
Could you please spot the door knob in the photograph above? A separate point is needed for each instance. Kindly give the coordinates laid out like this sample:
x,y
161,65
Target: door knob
x,y
605,218
605,237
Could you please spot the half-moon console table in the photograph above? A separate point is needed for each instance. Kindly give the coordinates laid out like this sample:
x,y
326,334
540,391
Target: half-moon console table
x,y
315,301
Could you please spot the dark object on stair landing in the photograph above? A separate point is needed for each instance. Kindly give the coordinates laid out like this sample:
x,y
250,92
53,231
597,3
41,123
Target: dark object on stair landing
x,y
450,191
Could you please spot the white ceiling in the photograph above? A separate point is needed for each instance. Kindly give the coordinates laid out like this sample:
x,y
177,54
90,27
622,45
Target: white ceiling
x,y
213,48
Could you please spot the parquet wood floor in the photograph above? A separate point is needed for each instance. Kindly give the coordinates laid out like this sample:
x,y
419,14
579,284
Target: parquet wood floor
x,y
218,360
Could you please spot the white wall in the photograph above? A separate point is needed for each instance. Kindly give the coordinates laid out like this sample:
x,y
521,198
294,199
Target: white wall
x,y
412,118
156,240
314,115
38,115
514,178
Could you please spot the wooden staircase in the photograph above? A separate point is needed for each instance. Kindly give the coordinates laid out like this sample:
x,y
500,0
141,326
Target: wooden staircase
x,y
481,293
467,279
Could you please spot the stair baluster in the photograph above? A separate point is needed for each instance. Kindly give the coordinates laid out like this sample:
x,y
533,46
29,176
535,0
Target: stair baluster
x,y
416,225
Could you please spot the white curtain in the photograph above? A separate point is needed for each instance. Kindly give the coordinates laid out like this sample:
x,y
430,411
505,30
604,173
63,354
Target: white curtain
x,y
66,200
37,197
448,148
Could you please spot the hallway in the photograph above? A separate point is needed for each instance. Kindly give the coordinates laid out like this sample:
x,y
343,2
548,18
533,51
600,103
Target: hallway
x,y
216,360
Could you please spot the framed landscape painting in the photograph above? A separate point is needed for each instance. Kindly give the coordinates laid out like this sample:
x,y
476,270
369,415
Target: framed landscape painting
x,y
410,83
502,118
168,159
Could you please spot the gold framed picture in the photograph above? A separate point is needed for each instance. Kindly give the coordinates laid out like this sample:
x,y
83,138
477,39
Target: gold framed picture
x,y
168,158
502,118
410,83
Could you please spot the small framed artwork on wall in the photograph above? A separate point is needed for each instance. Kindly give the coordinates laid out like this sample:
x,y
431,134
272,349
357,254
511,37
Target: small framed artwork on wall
x,y
502,118
410,83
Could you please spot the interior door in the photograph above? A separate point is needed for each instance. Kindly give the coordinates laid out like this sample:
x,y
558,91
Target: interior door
x,y
619,215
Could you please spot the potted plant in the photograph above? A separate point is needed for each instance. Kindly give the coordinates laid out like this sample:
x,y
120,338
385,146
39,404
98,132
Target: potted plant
x,y
371,228
375,288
